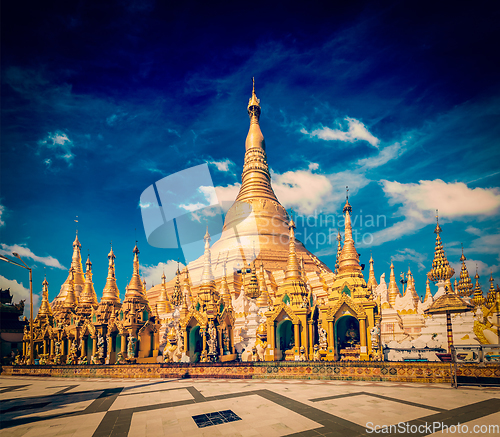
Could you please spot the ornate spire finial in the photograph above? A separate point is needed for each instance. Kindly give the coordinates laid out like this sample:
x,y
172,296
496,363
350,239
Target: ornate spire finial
x,y
254,105
441,270
347,206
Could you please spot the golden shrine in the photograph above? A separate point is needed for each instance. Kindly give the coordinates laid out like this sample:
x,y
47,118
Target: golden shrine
x,y
264,298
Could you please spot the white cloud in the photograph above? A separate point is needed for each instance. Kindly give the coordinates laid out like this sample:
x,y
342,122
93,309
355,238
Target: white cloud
x,y
25,252
58,141
152,273
410,255
383,157
192,206
472,230
313,166
454,200
302,190
223,165
356,131
2,212
20,292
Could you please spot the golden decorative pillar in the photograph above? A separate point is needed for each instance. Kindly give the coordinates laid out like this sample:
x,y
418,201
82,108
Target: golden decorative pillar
x,y
52,346
45,347
362,338
219,336
311,337
123,343
331,336
63,349
94,346
204,339
296,333
185,334
24,348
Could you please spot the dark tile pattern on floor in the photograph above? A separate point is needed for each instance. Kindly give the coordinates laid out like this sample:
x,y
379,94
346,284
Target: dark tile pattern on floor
x,y
217,418
117,423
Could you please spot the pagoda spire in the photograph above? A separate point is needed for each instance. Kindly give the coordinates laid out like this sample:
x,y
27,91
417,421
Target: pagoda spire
x,y
465,287
186,287
135,288
339,251
207,287
255,179
45,310
477,298
292,268
393,289
428,293
441,270
372,281
349,258
111,292
88,296
71,301
163,303
491,296
177,294
264,299
224,289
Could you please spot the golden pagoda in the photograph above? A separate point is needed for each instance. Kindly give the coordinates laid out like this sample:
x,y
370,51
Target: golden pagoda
x,y
441,270
372,281
477,298
465,287
393,289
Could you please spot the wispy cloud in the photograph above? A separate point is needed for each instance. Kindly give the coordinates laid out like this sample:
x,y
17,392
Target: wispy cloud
x,y
2,212
152,273
356,131
384,155
58,142
25,252
420,200
224,165
410,255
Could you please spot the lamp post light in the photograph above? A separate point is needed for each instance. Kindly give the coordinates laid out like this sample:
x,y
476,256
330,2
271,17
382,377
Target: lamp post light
x,y
25,266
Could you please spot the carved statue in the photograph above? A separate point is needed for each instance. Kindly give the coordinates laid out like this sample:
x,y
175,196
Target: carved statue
x,y
255,355
316,355
352,335
119,358
109,342
302,354
226,341
212,340
58,347
261,342
323,337
374,335
171,351
204,357
131,347
100,346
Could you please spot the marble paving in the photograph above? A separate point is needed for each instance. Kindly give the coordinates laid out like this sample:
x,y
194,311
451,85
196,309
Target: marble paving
x,y
43,406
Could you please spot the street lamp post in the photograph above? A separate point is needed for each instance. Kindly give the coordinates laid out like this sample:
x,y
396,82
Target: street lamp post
x,y
25,266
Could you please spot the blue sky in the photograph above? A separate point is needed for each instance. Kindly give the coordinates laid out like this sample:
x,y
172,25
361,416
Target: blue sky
x,y
398,100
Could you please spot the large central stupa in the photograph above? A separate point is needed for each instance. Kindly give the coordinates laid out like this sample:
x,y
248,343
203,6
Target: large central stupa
x,y
255,229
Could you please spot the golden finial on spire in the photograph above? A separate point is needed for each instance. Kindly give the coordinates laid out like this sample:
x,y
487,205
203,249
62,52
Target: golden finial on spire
x,y
347,206
441,270
254,104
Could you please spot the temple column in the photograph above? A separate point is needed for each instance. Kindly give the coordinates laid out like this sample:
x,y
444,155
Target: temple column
x,y
63,348
221,346
185,334
52,346
362,338
24,348
94,346
123,344
331,335
449,332
296,333
203,332
44,347
311,338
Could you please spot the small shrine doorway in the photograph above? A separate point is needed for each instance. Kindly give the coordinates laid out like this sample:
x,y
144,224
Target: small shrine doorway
x,y
195,344
346,333
284,338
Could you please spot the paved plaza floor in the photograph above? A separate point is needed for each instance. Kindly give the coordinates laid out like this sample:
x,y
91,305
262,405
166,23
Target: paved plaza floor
x,y
43,406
